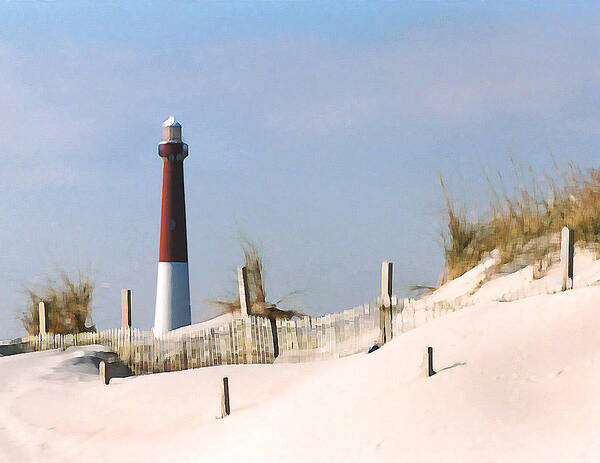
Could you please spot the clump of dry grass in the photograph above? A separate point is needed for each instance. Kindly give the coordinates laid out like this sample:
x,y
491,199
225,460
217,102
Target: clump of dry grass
x,y
256,287
533,214
68,306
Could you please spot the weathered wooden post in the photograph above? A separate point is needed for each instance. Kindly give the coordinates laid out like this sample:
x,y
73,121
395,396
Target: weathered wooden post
x,y
126,308
42,317
385,309
246,311
126,319
567,248
104,371
275,336
244,293
225,406
430,370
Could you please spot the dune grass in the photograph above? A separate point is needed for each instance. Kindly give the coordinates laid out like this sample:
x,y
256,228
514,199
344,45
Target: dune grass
x,y
68,306
534,213
256,285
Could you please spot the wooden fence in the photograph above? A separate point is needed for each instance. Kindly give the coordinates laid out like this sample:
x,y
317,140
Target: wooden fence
x,y
252,339
244,340
249,340
241,341
332,335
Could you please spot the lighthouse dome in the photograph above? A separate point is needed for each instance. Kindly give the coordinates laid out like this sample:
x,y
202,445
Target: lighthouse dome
x,y
171,130
171,122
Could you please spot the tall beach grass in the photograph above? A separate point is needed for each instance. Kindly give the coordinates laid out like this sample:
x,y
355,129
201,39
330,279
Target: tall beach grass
x,y
531,214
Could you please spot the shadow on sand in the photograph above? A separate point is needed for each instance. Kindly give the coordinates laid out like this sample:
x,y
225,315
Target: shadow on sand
x,y
457,364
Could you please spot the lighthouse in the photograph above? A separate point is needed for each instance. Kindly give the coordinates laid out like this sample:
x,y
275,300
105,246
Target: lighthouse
x,y
173,283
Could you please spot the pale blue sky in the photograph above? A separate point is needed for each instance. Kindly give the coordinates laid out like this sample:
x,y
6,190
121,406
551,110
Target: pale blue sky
x,y
319,130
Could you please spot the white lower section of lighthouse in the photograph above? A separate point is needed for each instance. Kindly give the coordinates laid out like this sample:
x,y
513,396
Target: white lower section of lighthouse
x,y
172,297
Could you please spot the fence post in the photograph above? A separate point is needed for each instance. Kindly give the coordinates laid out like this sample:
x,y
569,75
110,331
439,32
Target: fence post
x,y
567,247
126,308
104,371
430,370
42,317
275,336
245,309
244,293
245,312
225,407
385,309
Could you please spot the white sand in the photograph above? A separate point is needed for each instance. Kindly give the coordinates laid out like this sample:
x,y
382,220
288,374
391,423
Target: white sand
x,y
205,325
480,284
525,387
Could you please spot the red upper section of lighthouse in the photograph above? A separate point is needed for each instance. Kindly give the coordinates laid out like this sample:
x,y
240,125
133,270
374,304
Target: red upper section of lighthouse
x,y
173,235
